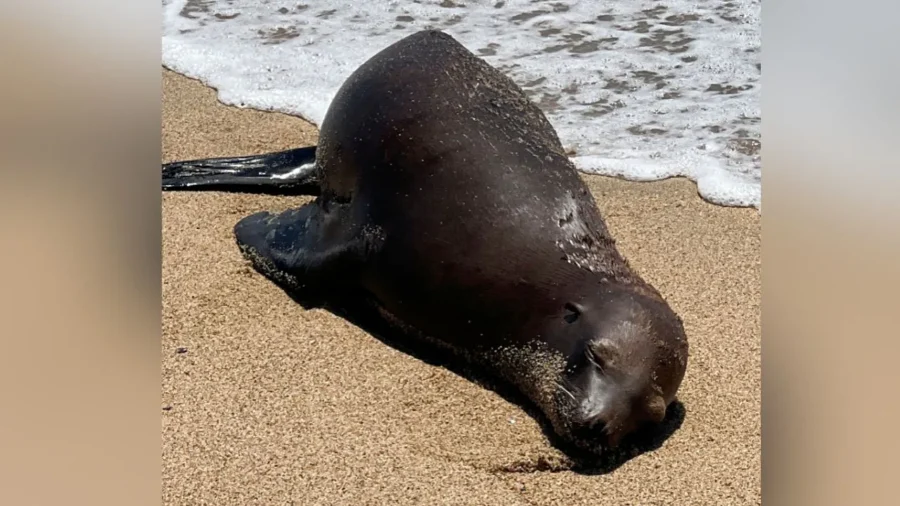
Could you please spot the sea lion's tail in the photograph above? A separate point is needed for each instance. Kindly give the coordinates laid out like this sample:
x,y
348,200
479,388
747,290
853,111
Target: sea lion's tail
x,y
291,172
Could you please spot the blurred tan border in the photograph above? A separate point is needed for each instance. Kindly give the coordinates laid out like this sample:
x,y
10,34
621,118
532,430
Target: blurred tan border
x,y
80,213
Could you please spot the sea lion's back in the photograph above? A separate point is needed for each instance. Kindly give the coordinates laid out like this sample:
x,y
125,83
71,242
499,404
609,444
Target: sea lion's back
x,y
427,101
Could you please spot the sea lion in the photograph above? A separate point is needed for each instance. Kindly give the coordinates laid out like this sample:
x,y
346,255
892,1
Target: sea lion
x,y
445,198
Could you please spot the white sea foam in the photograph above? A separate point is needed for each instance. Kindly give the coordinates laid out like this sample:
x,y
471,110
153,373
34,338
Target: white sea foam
x,y
641,90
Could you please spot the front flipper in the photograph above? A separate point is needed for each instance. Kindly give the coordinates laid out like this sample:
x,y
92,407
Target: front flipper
x,y
306,250
284,172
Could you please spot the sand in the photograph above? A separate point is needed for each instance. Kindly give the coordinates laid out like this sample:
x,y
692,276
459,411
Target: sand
x,y
267,403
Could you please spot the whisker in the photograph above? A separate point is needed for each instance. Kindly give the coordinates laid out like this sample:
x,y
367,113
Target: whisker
x,y
570,394
592,360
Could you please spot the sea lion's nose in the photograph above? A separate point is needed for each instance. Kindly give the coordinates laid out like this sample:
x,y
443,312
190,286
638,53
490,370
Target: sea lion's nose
x,y
590,428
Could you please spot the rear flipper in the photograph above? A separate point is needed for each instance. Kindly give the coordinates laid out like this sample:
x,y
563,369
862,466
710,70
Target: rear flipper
x,y
284,172
304,250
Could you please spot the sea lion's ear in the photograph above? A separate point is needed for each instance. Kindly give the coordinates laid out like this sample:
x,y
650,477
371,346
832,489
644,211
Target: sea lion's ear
x,y
573,312
603,350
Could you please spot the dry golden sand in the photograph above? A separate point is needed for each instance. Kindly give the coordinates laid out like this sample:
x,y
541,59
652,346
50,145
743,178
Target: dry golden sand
x,y
272,404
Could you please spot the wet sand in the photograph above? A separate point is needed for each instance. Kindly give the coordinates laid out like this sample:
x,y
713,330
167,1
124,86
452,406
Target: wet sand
x,y
267,403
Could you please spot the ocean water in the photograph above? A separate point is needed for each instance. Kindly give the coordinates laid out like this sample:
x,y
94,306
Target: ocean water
x,y
642,90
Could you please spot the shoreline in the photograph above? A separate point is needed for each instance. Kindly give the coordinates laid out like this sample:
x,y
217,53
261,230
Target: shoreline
x,y
272,403
312,125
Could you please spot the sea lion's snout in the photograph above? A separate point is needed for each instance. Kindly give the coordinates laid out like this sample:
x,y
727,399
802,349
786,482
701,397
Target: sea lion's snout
x,y
607,410
603,416
593,401
590,433
620,378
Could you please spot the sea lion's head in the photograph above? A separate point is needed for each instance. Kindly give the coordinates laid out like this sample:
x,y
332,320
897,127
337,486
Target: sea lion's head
x,y
627,364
